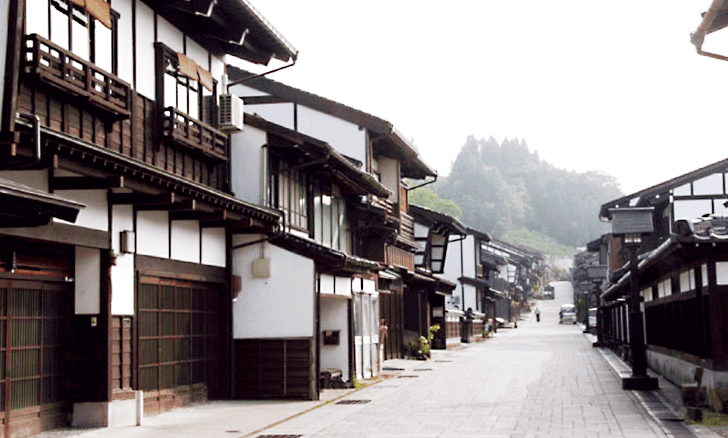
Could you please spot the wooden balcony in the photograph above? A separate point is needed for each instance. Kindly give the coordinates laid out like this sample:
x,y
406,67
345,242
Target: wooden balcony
x,y
190,133
82,81
399,258
406,227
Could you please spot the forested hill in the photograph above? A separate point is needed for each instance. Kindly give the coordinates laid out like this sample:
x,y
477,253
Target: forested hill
x,y
502,186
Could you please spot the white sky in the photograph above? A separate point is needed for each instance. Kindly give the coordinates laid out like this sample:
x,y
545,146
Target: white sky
x,y
615,86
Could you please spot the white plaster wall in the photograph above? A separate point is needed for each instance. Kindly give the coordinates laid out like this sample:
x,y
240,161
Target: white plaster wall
x,y
169,35
281,306
421,230
469,257
213,247
470,297
37,179
125,56
186,241
96,213
153,233
246,155
452,262
389,170
87,281
122,274
345,137
243,90
4,10
145,50
278,113
198,54
217,68
334,311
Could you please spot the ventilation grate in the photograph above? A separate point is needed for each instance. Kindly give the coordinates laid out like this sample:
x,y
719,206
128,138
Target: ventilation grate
x,y
404,377
423,369
279,436
352,402
443,361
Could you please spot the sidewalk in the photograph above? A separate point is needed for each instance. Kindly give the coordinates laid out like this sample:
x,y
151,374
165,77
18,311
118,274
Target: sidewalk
x,y
664,406
232,419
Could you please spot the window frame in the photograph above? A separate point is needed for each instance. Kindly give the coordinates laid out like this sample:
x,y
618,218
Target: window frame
x,y
90,25
165,58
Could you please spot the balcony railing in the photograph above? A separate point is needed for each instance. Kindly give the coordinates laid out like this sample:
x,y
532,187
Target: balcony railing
x,y
400,258
70,74
406,226
188,132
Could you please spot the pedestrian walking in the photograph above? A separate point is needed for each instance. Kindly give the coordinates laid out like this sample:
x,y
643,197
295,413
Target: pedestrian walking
x,y
538,315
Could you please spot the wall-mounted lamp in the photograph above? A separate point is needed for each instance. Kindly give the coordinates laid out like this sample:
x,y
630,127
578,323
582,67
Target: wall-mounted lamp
x,y
127,242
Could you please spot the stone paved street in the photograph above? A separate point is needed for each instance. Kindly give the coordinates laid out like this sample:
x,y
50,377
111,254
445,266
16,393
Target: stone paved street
x,y
542,379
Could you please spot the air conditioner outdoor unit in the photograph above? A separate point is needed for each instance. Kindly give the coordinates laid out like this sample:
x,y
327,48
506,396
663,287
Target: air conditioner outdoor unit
x,y
230,115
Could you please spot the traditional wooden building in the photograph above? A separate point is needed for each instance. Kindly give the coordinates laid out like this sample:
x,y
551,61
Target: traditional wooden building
x,y
425,307
682,275
382,229
116,215
301,308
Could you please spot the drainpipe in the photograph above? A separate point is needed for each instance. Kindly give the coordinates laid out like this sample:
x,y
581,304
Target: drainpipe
x,y
248,78
421,185
698,36
23,162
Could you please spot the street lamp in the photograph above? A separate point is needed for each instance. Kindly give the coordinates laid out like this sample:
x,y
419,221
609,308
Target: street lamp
x,y
632,224
597,274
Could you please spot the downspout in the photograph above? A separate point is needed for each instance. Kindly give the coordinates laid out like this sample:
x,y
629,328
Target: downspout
x,y
422,185
698,36
27,162
248,78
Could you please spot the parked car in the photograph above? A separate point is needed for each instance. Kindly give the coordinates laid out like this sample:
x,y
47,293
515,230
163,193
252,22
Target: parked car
x,y
593,318
548,293
567,314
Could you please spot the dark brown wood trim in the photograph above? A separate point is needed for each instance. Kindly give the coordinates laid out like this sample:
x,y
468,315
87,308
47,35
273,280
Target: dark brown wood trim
x,y
63,233
166,268
264,100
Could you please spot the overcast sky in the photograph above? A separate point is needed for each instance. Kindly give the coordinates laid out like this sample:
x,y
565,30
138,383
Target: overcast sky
x,y
614,86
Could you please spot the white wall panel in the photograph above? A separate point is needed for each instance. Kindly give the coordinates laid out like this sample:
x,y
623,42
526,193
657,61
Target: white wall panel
x,y
213,247
145,50
345,137
343,286
186,241
169,35
152,233
217,68
198,54
4,10
125,54
334,313
96,213
389,170
246,155
87,281
278,113
122,274
469,249
281,306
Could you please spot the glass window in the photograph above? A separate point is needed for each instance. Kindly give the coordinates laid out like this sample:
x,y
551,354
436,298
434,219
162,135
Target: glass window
x,y
72,28
38,21
687,281
182,92
291,194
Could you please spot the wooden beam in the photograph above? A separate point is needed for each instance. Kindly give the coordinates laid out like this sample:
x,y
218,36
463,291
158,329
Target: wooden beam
x,y
140,198
219,215
86,183
187,204
229,223
63,233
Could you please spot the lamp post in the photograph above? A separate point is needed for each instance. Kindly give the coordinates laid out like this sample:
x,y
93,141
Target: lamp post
x,y
632,224
597,274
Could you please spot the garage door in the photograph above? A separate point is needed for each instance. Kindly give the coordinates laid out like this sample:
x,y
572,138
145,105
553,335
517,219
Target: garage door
x,y
179,333
34,340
